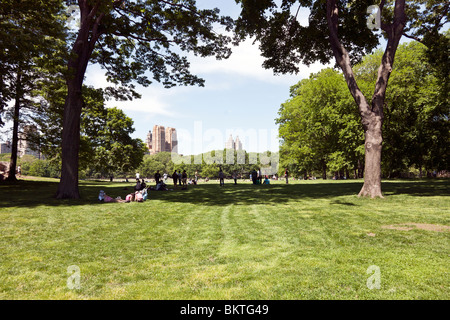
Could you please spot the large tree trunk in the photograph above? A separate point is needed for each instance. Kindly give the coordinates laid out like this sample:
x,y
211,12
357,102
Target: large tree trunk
x,y
372,169
68,186
15,137
81,52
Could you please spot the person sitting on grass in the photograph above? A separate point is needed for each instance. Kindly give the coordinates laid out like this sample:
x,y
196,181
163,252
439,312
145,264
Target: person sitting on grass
x,y
138,197
266,180
138,186
157,176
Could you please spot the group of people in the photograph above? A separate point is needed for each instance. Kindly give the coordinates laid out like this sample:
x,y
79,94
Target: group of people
x,y
180,178
257,177
140,185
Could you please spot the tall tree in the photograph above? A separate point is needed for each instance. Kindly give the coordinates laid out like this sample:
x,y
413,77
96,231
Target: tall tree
x,y
129,38
113,148
30,32
331,33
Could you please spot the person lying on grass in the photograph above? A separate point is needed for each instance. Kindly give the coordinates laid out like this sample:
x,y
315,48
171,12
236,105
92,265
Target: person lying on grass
x,y
137,196
109,199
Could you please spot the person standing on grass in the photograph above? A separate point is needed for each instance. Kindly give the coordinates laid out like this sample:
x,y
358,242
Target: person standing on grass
x,y
254,176
235,177
221,178
157,176
286,175
184,179
179,178
175,178
196,177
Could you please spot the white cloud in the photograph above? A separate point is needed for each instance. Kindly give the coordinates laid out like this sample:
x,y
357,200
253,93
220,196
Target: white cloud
x,y
246,61
153,100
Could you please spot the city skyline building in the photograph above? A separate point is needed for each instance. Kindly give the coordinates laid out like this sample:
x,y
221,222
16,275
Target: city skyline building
x,y
230,143
5,147
237,144
162,140
171,140
24,145
233,144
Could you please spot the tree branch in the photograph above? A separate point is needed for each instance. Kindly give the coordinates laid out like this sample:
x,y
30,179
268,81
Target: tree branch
x,y
385,69
343,60
412,37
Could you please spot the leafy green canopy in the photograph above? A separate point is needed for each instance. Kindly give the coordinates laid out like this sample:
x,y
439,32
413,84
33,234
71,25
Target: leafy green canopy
x,y
29,31
284,42
139,38
416,123
319,127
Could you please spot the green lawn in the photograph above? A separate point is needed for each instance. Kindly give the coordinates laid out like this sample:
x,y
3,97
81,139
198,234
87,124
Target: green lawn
x,y
305,240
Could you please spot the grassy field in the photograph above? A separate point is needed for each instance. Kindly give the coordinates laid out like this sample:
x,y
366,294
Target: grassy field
x,y
305,240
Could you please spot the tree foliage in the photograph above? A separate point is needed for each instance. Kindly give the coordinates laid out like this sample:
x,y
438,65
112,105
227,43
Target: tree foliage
x,y
320,129
416,120
106,145
30,34
29,30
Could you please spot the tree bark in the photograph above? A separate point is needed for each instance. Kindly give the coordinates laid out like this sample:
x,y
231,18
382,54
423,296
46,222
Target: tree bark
x,y
15,137
81,52
372,168
68,185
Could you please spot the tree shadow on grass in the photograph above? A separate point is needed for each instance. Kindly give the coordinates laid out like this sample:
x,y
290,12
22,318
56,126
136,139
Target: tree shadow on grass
x,y
417,188
41,193
29,193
